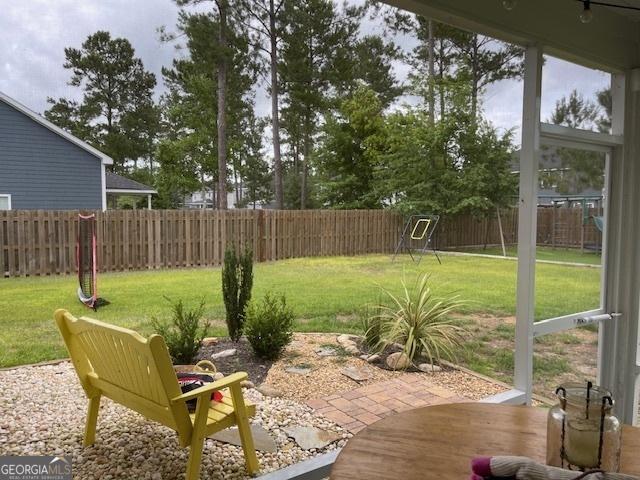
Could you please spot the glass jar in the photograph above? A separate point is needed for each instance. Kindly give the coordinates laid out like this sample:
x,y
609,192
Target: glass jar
x,y
582,432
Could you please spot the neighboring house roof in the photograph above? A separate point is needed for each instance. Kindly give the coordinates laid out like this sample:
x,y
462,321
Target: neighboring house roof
x,y
106,160
119,184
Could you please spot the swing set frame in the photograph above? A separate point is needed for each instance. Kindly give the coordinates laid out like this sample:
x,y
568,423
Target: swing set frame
x,y
411,231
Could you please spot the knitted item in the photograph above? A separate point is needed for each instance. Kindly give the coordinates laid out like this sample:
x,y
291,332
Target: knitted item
x,y
523,468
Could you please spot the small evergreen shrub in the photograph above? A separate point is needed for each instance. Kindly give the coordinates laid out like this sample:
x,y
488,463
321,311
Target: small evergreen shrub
x,y
183,334
269,326
237,282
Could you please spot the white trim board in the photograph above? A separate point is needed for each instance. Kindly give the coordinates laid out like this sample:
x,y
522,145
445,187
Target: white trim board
x,y
131,192
106,160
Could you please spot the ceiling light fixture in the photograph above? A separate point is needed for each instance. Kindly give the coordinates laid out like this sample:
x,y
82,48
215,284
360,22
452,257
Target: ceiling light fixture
x,y
509,4
587,15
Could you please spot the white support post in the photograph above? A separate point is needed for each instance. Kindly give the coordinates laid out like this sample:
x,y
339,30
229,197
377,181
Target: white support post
x,y
607,333
618,349
149,202
527,221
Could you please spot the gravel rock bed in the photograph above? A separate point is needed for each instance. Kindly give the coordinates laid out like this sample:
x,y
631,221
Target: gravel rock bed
x,y
42,412
325,378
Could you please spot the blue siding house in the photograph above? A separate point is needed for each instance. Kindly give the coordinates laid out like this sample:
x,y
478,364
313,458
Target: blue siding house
x,y
45,167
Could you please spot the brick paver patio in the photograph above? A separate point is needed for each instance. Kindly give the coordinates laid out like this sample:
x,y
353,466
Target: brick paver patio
x,y
355,409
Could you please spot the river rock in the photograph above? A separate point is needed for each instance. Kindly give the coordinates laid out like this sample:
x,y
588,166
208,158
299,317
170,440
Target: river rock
x,y
373,358
269,391
429,368
224,353
398,361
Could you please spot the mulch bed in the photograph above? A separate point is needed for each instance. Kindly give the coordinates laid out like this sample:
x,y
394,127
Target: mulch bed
x,y
243,361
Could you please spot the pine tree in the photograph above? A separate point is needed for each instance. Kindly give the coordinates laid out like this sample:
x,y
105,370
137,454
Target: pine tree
x,y
189,152
313,59
266,22
117,113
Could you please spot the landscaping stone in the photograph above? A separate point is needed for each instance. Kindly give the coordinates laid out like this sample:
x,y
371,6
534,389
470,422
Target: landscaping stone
x,y
352,349
129,446
247,384
261,438
269,391
357,374
373,358
346,338
224,353
218,376
209,341
326,352
429,368
309,437
299,370
349,343
398,361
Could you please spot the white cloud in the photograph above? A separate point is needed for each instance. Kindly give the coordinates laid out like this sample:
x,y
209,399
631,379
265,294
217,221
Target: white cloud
x,y
34,33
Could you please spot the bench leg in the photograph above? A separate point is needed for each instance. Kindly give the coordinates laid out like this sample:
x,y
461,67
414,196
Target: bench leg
x,y
195,459
92,421
244,429
197,438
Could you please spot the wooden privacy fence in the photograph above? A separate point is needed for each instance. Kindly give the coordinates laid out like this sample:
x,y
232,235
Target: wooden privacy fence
x,y
468,231
557,227
43,242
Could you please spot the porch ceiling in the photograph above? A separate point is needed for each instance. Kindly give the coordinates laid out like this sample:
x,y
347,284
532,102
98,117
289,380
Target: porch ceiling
x,y
611,42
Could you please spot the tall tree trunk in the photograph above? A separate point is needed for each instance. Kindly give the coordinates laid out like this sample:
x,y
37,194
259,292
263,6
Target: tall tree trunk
x,y
305,161
474,78
441,68
432,97
222,107
275,114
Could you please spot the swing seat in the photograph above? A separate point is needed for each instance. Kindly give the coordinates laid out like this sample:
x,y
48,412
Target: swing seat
x,y
137,373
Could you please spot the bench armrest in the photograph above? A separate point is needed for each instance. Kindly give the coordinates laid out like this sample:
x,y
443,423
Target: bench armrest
x,y
211,387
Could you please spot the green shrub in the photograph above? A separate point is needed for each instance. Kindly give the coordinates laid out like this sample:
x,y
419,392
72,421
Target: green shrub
x,y
421,322
237,281
183,334
268,326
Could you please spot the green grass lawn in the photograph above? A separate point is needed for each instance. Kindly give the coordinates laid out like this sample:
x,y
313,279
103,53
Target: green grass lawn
x,y
326,294
572,255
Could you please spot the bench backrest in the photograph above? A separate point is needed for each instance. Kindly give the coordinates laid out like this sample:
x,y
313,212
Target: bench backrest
x,y
126,367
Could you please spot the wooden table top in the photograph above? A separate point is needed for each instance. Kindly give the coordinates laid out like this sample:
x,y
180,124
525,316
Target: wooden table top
x,y
438,442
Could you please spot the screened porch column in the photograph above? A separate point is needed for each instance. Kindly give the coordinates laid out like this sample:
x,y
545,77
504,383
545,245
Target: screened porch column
x,y
618,342
527,223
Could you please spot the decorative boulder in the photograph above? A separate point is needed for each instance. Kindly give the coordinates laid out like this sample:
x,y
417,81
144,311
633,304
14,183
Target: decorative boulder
x,y
373,358
398,361
429,368
224,353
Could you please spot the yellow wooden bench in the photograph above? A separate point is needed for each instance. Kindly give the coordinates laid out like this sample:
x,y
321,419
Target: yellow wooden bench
x,y
136,372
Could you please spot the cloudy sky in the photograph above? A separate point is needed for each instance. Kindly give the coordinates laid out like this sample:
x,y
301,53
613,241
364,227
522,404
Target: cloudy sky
x,y
34,33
